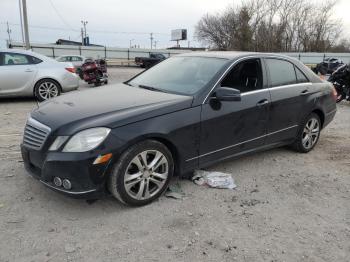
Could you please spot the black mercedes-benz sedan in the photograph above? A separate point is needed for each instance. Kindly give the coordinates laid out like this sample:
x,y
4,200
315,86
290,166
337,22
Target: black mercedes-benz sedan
x,y
186,113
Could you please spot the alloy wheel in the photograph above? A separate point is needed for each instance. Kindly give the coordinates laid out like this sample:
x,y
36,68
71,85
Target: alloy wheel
x,y
146,175
48,90
311,133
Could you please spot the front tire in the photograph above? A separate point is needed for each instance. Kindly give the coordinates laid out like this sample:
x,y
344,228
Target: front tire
x,y
142,173
308,134
46,89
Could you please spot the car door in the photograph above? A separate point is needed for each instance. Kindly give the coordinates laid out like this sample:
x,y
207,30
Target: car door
x,y
289,88
230,128
17,73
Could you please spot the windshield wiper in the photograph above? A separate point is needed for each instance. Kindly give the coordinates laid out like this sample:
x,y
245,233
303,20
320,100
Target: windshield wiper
x,y
151,88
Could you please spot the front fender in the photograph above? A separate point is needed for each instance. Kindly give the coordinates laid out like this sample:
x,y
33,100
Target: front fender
x,y
179,131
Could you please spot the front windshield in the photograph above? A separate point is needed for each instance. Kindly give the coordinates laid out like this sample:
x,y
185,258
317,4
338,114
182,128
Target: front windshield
x,y
181,75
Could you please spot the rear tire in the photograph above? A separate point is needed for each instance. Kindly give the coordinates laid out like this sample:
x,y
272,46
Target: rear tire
x,y
308,134
142,173
46,89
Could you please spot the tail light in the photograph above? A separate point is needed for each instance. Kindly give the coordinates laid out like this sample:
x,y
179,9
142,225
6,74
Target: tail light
x,y
334,94
70,69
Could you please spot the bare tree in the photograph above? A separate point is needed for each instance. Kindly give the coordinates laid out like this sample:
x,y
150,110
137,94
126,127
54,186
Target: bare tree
x,y
272,25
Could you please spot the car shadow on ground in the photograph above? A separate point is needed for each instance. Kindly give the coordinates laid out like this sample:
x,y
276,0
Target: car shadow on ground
x,y
58,202
17,99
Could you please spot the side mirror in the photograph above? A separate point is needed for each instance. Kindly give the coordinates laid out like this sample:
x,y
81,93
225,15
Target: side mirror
x,y
228,94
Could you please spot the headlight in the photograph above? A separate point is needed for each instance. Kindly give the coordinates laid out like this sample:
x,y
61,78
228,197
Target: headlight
x,y
60,140
86,140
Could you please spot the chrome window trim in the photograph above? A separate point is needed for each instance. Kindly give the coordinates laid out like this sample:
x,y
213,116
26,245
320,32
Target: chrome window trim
x,y
256,91
238,144
291,85
276,88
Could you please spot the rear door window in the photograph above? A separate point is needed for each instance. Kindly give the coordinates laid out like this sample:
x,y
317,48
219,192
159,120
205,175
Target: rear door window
x,y
281,72
76,59
62,59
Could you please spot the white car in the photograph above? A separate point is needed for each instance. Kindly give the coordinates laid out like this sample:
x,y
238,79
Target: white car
x,y
76,60
25,73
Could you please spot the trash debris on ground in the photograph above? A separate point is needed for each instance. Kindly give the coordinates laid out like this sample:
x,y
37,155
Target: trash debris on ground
x,y
214,179
69,248
174,191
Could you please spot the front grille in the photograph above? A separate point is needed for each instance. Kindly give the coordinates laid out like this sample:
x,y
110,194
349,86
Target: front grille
x,y
35,134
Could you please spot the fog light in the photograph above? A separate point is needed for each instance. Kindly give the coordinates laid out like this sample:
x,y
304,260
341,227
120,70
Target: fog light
x,y
57,181
67,184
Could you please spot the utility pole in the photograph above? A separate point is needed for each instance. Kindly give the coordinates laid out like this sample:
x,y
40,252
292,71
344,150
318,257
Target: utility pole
x,y
25,24
152,40
84,30
131,42
82,36
9,32
21,19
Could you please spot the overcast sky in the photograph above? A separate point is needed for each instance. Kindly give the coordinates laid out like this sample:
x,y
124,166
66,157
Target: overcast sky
x,y
116,22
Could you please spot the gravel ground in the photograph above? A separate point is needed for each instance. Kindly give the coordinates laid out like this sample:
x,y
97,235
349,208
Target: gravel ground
x,y
287,207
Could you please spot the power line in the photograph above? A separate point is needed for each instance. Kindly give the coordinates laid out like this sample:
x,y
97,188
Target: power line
x,y
93,31
60,16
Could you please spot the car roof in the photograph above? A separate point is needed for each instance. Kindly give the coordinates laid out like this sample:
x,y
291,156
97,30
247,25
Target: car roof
x,y
28,52
21,51
71,55
232,55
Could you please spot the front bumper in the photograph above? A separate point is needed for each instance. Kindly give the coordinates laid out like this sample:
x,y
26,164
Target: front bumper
x,y
88,180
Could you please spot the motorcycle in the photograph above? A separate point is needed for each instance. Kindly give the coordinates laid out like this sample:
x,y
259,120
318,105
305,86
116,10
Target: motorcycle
x,y
328,66
341,81
95,72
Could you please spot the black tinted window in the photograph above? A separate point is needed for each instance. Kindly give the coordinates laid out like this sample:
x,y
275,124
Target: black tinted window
x,y
301,76
281,72
76,58
1,59
245,76
35,60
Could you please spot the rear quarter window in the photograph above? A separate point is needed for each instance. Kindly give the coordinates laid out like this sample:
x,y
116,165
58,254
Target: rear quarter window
x,y
281,72
35,60
301,78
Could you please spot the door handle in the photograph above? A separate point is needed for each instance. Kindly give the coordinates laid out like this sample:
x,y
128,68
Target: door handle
x,y
28,70
305,92
263,103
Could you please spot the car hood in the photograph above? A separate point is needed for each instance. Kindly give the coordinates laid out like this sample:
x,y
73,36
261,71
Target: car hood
x,y
108,106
